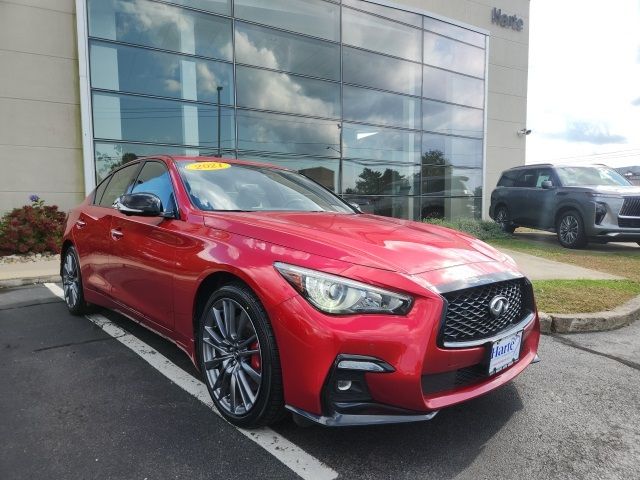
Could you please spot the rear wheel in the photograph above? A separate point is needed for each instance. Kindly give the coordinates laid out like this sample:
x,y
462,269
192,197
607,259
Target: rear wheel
x,y
503,218
570,230
239,358
72,283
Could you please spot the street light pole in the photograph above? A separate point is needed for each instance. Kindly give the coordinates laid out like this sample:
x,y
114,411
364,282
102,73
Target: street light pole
x,y
219,123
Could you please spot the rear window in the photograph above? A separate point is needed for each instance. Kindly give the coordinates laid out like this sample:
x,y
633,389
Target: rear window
x,y
508,179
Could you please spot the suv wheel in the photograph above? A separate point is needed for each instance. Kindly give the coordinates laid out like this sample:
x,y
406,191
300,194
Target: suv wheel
x,y
503,218
570,229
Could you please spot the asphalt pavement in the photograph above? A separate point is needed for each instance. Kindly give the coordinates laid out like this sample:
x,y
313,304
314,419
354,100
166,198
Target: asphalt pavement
x,y
77,403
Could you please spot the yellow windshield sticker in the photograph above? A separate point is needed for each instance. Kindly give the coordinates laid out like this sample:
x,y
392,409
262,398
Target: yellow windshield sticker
x,y
207,166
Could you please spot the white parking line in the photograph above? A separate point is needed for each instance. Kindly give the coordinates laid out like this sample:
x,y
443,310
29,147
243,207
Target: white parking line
x,y
305,465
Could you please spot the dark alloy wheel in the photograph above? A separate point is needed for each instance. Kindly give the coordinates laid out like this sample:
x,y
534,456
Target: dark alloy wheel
x,y
503,218
570,229
239,358
72,283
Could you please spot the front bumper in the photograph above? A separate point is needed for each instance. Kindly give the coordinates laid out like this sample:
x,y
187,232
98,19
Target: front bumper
x,y
310,343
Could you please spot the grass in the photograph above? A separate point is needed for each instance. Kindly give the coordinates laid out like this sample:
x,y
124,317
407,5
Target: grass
x,y
583,296
478,228
623,264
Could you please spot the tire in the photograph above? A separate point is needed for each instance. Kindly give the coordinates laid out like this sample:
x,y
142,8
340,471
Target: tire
x,y
245,387
503,218
72,283
570,230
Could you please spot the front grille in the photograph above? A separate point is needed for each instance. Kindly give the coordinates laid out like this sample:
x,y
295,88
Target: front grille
x,y
630,207
629,222
468,316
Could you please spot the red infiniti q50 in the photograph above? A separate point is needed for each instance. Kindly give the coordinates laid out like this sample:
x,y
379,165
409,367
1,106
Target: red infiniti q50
x,y
287,298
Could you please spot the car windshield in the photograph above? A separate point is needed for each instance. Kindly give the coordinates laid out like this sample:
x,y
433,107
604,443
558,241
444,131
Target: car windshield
x,y
579,176
251,188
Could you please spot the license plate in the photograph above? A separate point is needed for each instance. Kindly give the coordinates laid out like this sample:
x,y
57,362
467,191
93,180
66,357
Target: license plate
x,y
504,352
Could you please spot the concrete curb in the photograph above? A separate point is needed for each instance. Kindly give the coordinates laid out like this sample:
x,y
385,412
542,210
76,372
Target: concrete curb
x,y
621,316
18,282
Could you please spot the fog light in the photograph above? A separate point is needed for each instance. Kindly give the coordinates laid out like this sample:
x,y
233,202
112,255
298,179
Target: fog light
x,y
343,385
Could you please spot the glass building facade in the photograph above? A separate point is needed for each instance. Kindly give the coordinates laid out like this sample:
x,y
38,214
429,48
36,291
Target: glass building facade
x,y
381,105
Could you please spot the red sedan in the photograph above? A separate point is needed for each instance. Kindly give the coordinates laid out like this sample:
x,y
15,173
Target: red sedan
x,y
287,298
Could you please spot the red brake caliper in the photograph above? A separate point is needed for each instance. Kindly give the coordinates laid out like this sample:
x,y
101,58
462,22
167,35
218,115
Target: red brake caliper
x,y
255,358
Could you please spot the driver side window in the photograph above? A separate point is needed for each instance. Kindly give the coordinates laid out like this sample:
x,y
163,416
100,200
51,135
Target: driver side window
x,y
154,178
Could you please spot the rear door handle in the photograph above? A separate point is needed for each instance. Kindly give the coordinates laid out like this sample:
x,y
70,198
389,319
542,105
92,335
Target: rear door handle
x,y
116,234
80,223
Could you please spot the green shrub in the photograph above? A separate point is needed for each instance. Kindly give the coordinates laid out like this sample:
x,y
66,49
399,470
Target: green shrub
x,y
478,228
35,228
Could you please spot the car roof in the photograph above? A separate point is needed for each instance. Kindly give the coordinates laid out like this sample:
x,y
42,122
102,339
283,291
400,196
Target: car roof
x,y
553,165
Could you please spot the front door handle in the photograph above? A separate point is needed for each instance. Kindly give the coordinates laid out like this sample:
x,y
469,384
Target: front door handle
x,y
80,223
116,234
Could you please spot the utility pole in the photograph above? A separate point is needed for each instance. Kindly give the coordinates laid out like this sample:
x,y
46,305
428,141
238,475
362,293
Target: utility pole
x,y
219,123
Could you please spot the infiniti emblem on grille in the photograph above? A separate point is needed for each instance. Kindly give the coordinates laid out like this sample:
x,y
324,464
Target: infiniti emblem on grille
x,y
498,305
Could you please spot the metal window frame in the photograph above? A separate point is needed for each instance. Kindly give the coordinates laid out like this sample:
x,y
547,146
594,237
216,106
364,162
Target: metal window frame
x,y
88,140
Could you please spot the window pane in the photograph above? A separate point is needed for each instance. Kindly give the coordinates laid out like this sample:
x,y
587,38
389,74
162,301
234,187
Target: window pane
x,y
441,180
374,33
365,177
456,151
154,178
137,70
215,6
453,119
446,53
453,31
451,87
118,185
112,155
312,17
159,25
268,132
451,208
370,106
323,171
287,93
380,71
399,207
392,13
363,141
123,117
270,48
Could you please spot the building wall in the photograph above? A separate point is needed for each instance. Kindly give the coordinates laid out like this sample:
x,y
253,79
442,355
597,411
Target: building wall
x,y
40,130
40,143
507,79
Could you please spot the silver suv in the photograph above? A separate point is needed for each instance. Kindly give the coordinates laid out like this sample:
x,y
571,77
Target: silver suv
x,y
579,203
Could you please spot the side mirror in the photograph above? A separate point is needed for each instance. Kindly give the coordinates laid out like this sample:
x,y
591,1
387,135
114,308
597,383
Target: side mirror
x,y
547,184
141,204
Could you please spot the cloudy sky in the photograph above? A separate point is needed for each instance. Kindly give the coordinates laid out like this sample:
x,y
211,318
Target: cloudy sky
x,y
584,82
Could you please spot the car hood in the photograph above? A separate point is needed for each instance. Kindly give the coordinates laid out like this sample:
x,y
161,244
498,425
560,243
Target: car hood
x,y
368,240
608,189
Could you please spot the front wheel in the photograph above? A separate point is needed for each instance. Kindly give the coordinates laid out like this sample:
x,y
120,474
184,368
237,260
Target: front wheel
x,y
570,229
72,283
239,358
503,218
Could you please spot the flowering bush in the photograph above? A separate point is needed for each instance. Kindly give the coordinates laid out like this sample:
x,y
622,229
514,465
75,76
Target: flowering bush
x,y
34,228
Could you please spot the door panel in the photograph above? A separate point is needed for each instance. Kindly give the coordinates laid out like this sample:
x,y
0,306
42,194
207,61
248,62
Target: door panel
x,y
541,202
143,254
93,244
143,258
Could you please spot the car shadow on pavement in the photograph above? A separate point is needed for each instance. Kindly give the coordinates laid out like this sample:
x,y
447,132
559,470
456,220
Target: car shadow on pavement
x,y
548,238
441,448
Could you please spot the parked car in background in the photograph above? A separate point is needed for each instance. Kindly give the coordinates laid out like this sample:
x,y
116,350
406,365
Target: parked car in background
x,y
579,203
287,298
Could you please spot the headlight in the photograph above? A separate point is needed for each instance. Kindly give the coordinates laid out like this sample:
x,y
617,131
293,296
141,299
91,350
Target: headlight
x,y
333,294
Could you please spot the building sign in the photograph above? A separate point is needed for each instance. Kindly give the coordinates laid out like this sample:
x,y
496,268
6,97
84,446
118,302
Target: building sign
x,y
506,21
